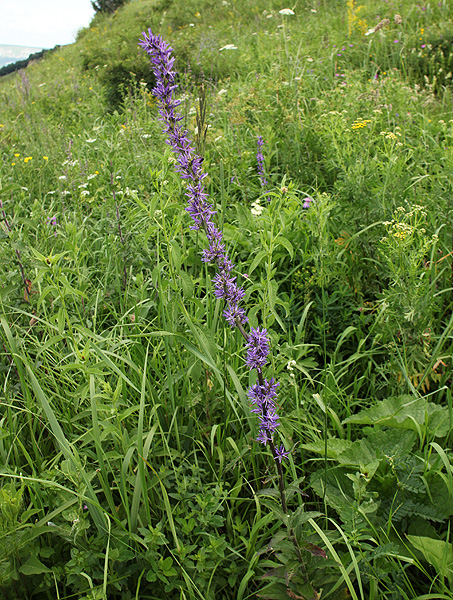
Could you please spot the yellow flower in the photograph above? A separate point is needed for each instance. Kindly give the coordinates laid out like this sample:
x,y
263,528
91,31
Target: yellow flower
x,y
16,154
12,164
45,157
27,158
97,172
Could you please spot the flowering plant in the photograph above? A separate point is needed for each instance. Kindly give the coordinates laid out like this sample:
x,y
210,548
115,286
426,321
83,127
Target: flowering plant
x,y
189,166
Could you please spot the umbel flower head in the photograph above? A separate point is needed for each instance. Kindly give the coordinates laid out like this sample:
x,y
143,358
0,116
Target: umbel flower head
x,y
189,166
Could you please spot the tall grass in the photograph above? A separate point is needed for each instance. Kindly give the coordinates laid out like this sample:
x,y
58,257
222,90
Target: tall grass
x,y
128,462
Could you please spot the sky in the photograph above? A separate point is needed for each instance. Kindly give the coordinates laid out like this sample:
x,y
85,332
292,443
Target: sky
x,y
42,23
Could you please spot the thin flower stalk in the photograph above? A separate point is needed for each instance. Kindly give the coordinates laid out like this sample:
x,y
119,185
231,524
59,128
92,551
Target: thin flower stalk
x,y
260,161
189,166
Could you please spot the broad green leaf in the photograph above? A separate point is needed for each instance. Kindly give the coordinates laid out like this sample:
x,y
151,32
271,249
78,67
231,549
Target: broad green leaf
x,y
282,241
405,412
33,566
438,553
335,447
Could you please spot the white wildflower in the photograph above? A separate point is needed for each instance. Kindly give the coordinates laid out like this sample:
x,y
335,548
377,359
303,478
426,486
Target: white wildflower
x,y
228,47
286,11
256,209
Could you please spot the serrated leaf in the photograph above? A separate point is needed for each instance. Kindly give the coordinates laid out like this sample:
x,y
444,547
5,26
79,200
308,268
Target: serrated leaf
x,y
405,412
335,447
359,454
313,549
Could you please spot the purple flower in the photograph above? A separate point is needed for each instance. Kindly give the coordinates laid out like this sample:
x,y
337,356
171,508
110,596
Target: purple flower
x,y
257,348
215,252
189,166
234,314
53,221
189,163
281,453
307,202
263,394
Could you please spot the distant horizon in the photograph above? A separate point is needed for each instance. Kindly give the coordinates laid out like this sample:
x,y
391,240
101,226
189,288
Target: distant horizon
x,y
11,53
46,24
23,46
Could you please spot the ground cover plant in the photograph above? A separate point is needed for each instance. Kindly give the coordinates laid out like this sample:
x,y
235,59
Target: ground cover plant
x,y
130,466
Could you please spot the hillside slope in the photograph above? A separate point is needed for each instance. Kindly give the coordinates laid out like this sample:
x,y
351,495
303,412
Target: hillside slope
x,y
129,460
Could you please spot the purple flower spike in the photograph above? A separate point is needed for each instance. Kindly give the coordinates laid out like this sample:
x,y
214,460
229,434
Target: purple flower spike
x,y
189,166
257,348
234,314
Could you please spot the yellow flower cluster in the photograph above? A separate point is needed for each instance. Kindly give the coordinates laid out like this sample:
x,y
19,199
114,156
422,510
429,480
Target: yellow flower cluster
x,y
28,158
359,123
402,229
353,18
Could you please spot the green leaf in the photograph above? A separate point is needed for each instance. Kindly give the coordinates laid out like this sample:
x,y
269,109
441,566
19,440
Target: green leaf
x,y
186,284
256,261
335,447
175,253
405,412
33,566
282,241
438,553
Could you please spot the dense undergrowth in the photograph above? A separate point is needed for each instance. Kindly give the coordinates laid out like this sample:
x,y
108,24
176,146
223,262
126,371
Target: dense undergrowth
x,y
128,462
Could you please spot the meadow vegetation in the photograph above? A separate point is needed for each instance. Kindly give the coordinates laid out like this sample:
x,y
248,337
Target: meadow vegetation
x,y
128,462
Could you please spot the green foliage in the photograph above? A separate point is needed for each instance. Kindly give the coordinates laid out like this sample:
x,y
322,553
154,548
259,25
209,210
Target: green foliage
x,y
382,483
107,6
128,462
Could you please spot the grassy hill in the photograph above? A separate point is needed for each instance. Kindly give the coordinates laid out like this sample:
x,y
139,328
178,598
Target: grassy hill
x,y
129,463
